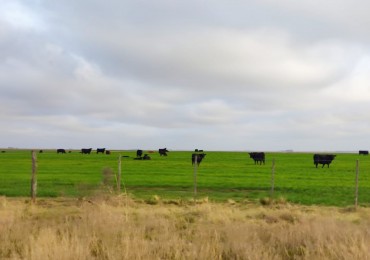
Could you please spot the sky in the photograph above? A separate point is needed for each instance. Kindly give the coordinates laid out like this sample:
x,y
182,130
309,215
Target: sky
x,y
225,75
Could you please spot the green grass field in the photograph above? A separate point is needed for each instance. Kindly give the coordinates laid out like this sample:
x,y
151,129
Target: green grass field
x,y
221,176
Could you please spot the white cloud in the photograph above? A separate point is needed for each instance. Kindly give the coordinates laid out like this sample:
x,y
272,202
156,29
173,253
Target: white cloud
x,y
20,16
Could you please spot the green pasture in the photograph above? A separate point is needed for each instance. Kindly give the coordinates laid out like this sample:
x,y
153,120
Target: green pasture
x,y
221,176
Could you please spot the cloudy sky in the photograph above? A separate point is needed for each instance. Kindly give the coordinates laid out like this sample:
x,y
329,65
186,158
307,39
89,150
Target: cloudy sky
x,y
215,75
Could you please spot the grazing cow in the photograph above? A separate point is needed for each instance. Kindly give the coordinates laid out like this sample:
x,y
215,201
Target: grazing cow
x,y
61,151
100,150
139,153
41,151
363,152
258,157
86,150
199,158
107,152
323,159
163,152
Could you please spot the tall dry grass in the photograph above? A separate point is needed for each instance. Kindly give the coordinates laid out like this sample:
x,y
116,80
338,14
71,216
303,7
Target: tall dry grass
x,y
119,228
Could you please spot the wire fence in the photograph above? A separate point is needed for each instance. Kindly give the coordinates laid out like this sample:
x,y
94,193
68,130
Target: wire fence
x,y
219,176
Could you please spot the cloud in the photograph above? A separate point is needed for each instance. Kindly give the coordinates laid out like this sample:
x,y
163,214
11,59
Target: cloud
x,y
20,16
218,75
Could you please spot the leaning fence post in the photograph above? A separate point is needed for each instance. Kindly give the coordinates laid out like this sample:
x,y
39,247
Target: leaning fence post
x,y
34,177
272,178
356,189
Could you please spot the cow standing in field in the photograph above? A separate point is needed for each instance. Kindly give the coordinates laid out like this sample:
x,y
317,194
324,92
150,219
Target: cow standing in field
x,y
86,150
107,152
61,151
139,153
323,159
363,152
163,151
197,158
258,157
100,150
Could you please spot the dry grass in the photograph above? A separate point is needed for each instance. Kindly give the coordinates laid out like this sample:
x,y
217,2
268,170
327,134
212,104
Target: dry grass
x,y
119,228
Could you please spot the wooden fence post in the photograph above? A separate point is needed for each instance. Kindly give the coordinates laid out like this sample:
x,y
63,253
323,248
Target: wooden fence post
x,y
272,178
119,174
34,177
356,187
195,176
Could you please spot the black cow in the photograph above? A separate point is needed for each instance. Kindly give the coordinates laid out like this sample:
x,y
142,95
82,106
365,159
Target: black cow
x,y
145,157
139,153
107,152
363,152
199,158
163,151
323,159
86,150
61,151
258,157
198,151
100,150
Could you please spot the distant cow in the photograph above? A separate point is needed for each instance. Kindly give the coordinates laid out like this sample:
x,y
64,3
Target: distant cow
x,y
323,159
258,157
145,157
61,151
198,159
139,153
86,150
200,151
100,150
41,151
107,152
163,152
363,152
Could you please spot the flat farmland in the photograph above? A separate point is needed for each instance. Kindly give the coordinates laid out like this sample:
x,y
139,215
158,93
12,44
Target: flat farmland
x,y
221,176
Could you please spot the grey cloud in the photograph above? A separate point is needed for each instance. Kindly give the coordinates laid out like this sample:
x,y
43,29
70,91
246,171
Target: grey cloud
x,y
214,74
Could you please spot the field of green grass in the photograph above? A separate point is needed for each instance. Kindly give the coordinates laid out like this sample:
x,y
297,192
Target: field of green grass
x,y
220,177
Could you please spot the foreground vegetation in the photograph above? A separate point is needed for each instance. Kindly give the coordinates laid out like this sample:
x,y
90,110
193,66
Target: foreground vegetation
x,y
117,227
221,176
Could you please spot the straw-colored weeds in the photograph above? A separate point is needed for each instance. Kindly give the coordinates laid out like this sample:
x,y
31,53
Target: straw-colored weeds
x,y
119,228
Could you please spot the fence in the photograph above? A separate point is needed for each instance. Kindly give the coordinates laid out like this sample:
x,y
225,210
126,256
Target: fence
x,y
221,175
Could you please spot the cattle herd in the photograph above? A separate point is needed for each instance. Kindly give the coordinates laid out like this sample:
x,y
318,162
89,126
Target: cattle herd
x,y
198,155
324,159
